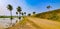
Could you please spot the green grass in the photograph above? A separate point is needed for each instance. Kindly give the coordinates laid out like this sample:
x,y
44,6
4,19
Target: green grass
x,y
8,16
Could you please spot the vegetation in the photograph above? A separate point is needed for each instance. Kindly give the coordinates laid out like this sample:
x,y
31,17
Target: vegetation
x,y
29,14
19,11
48,7
10,8
8,16
34,12
25,13
22,13
51,15
22,24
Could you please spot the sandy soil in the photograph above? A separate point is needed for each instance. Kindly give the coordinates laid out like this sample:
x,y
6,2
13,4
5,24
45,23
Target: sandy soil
x,y
37,23
45,24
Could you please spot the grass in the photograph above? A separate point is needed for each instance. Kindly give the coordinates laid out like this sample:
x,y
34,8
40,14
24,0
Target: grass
x,y
23,21
8,16
50,15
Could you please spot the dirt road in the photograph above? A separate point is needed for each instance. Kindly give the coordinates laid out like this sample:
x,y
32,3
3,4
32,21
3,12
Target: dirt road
x,y
44,23
36,23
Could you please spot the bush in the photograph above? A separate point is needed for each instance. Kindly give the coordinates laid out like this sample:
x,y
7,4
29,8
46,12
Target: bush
x,y
54,17
29,14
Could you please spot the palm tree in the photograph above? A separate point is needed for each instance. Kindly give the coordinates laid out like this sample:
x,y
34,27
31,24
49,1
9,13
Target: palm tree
x,y
34,12
19,10
48,7
17,14
22,13
25,13
10,8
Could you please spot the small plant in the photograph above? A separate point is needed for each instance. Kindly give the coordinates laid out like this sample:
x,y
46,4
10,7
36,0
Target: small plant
x,y
29,14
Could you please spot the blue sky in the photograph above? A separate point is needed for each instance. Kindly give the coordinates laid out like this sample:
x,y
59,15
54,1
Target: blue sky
x,y
28,6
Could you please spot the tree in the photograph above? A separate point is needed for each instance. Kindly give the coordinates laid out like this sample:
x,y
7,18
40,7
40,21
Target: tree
x,y
25,13
29,14
10,8
19,10
48,7
34,12
22,13
17,14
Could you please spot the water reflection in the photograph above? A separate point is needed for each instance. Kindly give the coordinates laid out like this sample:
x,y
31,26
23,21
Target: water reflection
x,y
5,22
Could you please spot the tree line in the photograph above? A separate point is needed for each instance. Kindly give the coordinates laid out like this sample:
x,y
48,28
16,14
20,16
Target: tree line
x,y
19,11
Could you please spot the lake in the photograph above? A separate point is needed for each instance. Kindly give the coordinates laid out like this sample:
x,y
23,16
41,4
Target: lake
x,y
5,22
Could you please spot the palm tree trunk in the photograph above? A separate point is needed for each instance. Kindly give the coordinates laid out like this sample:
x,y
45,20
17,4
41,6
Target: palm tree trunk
x,y
11,16
19,16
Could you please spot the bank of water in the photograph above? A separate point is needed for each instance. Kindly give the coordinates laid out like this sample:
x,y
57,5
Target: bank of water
x,y
6,22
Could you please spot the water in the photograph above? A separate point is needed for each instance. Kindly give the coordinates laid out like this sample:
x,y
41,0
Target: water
x,y
5,22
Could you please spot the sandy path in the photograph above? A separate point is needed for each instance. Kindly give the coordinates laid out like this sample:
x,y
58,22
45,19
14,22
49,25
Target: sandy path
x,y
2,26
45,24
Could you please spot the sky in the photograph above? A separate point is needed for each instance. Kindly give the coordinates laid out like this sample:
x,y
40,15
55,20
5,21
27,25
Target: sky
x,y
28,6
